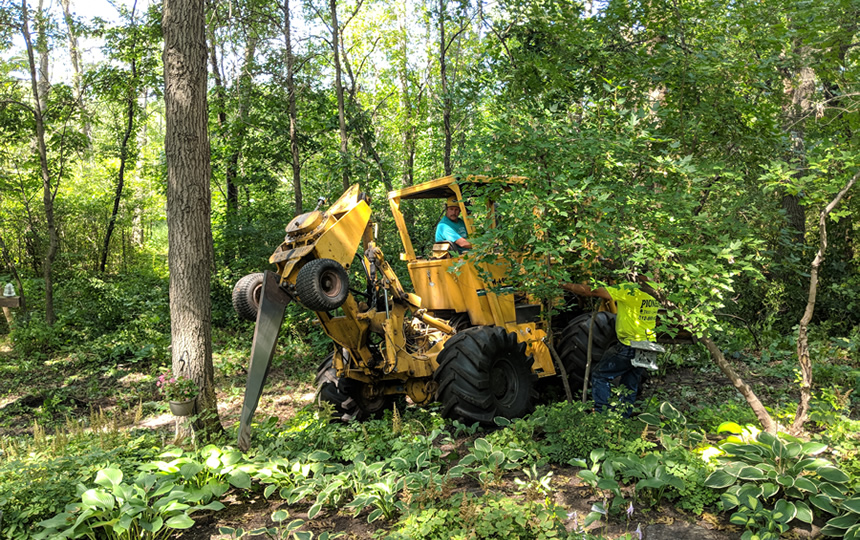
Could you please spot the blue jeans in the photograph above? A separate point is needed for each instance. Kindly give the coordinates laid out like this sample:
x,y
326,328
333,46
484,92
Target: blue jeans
x,y
616,364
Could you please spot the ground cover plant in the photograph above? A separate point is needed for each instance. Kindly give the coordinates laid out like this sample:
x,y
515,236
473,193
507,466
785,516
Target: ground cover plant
x,y
413,474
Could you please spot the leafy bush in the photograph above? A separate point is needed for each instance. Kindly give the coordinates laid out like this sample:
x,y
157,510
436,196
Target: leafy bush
x,y
572,432
37,484
490,516
773,480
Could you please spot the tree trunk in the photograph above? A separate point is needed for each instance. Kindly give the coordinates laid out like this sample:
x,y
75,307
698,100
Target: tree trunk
x,y
75,55
237,128
131,104
761,413
406,103
446,99
190,257
338,88
719,358
802,329
49,191
291,99
798,85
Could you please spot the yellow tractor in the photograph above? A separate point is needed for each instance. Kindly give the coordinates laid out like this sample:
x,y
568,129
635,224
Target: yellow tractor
x,y
462,338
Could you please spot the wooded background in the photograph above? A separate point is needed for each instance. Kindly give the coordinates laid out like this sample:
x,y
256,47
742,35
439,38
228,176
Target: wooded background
x,y
699,141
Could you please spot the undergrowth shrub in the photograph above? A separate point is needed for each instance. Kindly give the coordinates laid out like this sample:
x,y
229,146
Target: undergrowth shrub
x,y
490,516
570,431
37,480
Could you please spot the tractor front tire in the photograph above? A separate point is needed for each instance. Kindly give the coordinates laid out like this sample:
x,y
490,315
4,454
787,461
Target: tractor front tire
x,y
572,345
246,296
484,373
346,395
322,285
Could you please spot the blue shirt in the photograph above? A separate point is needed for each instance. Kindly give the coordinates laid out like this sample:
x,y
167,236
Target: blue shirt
x,y
451,231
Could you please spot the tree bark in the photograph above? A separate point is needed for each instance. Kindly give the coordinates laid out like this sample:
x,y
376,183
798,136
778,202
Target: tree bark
x,y
291,101
49,190
338,88
190,257
131,105
75,55
802,330
446,99
761,413
719,358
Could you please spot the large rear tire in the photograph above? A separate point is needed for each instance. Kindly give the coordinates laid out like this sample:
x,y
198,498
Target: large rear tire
x,y
484,373
346,395
572,345
246,296
322,285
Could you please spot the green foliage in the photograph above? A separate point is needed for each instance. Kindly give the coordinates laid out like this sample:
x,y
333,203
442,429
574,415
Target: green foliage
x,y
773,480
37,482
465,516
150,507
571,431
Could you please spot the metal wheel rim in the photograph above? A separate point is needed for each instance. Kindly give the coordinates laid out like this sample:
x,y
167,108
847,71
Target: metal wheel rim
x,y
330,283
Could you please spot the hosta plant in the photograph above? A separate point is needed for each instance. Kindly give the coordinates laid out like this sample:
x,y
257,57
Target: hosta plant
x,y
772,480
151,507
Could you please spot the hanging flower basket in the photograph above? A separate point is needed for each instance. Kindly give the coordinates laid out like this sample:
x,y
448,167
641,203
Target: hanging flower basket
x,y
182,408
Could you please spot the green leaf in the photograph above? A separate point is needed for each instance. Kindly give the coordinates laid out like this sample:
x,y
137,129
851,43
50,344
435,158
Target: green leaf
x,y
834,492
832,474
482,445
804,513
152,526
669,411
786,509
852,533
768,490
240,479
319,455
738,518
719,479
844,521
109,477
852,505
813,448
280,515
649,419
785,480
376,514
805,484
181,521
98,498
822,502
751,473
729,500
730,427
314,510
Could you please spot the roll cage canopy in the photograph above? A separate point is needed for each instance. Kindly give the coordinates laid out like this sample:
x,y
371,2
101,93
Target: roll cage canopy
x,y
441,188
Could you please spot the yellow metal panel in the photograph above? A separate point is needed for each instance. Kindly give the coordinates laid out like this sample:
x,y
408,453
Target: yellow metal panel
x,y
341,241
401,228
438,288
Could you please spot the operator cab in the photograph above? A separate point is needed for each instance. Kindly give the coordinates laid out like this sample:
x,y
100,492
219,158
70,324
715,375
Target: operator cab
x,y
448,283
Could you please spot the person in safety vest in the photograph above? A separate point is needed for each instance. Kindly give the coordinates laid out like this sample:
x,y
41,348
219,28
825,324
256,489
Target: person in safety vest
x,y
637,317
